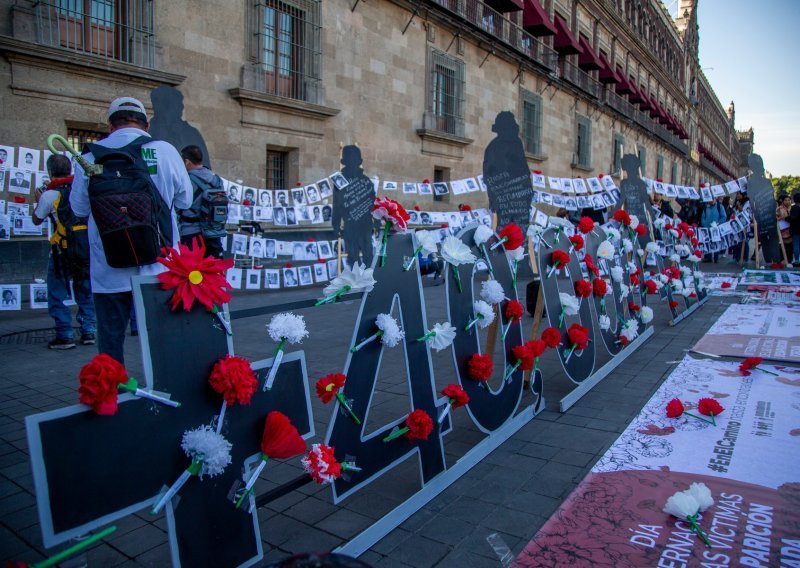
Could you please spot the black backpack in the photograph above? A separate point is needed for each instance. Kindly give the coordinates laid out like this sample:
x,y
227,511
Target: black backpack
x,y
132,218
210,206
70,239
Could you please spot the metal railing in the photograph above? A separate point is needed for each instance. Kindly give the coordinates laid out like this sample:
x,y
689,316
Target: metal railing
x,y
493,23
121,30
580,79
642,118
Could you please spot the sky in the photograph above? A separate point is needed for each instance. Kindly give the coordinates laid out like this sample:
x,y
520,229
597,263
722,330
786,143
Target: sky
x,y
749,52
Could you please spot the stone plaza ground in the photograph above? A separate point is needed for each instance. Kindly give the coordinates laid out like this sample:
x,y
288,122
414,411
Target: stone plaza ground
x,y
499,503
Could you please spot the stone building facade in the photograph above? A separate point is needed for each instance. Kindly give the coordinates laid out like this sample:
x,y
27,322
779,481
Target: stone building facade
x,y
276,87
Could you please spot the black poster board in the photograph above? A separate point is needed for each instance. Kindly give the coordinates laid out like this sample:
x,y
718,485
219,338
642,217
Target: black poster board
x,y
634,190
762,197
352,208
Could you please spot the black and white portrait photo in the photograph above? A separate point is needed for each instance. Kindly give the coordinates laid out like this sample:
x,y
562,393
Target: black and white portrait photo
x,y
312,193
389,186
234,277
440,188
6,157
234,193
38,294
409,187
270,248
320,273
290,277
257,246
253,279
10,297
279,216
298,196
272,278
316,214
339,180
239,244
291,216
304,273
324,250
324,187
28,159
19,181
265,198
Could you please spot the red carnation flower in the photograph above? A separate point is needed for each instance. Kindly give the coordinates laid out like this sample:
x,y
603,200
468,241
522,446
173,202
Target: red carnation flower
x,y
777,266
416,208
443,226
690,233
621,216
246,202
640,230
667,226
281,439
748,364
694,241
675,408
537,172
512,236
419,425
586,225
578,336
99,380
634,307
651,286
329,385
480,367
577,242
623,340
289,265
426,180
673,304
513,311
536,346
299,184
601,176
725,285
194,276
591,266
552,337
599,287
524,356
709,406
234,379
559,258
464,207
391,211
634,279
583,289
693,295
457,395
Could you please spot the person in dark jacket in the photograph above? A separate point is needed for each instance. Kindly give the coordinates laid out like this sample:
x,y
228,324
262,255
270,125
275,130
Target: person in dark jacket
x,y
794,227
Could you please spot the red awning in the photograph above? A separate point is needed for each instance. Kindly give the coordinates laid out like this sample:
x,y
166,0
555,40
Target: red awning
x,y
607,74
588,60
624,86
535,20
646,104
505,5
635,96
655,110
564,42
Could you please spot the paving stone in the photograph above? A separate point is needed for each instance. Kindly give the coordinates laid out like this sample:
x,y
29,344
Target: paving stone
x,y
420,551
345,523
139,541
311,510
446,529
516,523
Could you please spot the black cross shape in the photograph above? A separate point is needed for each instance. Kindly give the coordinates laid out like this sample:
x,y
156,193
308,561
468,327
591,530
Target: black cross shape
x,y
90,470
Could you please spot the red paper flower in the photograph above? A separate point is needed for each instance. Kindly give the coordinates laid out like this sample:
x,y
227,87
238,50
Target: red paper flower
x,y
513,311
726,285
234,379
777,266
599,287
578,336
443,226
513,235
559,258
99,379
419,425
748,364
694,241
416,208
426,180
640,230
583,289
622,217
673,304
321,464
537,172
194,276
551,337
586,225
591,266
651,286
456,394
281,439
246,202
707,406
634,279
392,212
623,340
693,295
634,307
524,355
329,385
683,226
480,367
19,199
577,242
289,265
690,234
464,207
537,347
672,272
674,408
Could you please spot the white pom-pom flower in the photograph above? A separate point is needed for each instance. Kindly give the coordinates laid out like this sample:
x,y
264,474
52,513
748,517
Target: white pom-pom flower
x,y
392,334
627,245
694,258
492,292
287,327
624,291
676,258
456,252
516,254
443,335
686,271
617,273
358,278
701,494
686,292
632,268
682,505
677,285
634,222
646,314
606,250
569,303
674,232
612,233
659,223
630,330
482,234
534,231
486,313
604,322
651,247
212,450
427,241
662,278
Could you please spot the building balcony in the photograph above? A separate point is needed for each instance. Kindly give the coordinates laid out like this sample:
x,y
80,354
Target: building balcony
x,y
713,169
581,79
642,118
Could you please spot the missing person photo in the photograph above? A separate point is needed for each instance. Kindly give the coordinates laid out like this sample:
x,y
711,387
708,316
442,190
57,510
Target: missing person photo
x,y
607,199
325,189
257,246
247,213
304,273
262,214
425,189
615,192
234,193
298,196
303,213
339,180
706,194
333,268
272,278
270,248
683,192
312,193
28,159
320,273
389,186
248,196
413,217
409,187
290,277
571,204
265,198
583,202
558,201
291,216
693,193
311,251
7,154
253,279
546,198
234,277
41,180
282,198
440,188
38,296
594,185
279,216
702,234
425,218
324,249
316,214
298,250
5,227
736,226
472,185
234,213
715,236
535,197
239,244
10,297
19,181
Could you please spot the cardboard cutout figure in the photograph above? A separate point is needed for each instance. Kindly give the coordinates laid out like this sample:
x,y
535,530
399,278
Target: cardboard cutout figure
x,y
762,198
634,190
352,209
506,174
167,123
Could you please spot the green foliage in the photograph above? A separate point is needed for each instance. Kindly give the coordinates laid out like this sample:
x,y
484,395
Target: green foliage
x,y
786,184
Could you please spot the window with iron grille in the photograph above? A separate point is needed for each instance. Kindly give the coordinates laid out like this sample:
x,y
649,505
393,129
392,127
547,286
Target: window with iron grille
x,y
642,159
284,46
583,142
79,137
277,162
445,94
673,174
123,30
532,122
660,167
619,148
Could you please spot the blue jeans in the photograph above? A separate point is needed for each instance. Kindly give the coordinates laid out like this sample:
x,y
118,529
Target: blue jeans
x,y
113,313
57,292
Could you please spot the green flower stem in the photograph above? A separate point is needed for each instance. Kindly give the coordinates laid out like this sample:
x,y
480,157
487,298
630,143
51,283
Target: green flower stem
x,y
333,297
349,466
427,336
372,337
498,243
473,321
222,319
407,266
275,364
77,547
561,318
699,418
695,528
252,480
343,401
603,306
386,228
558,233
511,370
713,420
553,269
457,276
396,434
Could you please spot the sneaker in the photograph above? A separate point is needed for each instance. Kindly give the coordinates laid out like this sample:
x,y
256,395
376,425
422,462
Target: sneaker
x,y
134,333
87,339
59,343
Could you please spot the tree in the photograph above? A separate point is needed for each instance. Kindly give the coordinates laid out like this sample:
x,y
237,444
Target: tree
x,y
786,184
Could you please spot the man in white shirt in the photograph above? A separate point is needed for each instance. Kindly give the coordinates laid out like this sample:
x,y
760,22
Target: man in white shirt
x,y
111,287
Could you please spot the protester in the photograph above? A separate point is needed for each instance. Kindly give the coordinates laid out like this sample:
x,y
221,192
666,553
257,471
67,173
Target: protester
x,y
127,121
782,213
794,227
206,216
711,215
63,266
663,205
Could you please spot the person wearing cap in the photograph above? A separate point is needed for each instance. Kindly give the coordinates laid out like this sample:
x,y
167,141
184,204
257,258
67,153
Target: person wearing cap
x,y
111,287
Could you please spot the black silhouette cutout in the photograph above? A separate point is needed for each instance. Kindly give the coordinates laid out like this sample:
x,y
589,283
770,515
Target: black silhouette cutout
x,y
506,173
352,208
168,124
634,190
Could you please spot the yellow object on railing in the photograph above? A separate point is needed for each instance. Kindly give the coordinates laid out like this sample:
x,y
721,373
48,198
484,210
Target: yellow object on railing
x,y
89,168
